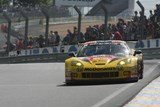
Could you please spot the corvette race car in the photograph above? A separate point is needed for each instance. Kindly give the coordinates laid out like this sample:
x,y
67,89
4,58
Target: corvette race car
x,y
104,60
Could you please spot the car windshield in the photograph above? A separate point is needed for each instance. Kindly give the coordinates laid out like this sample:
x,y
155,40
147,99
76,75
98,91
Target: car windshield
x,y
104,49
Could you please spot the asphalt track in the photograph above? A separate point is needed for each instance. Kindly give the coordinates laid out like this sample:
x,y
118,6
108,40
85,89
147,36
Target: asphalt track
x,y
42,85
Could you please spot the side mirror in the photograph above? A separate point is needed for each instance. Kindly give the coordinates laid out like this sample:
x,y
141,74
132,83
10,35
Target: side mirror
x,y
137,52
72,54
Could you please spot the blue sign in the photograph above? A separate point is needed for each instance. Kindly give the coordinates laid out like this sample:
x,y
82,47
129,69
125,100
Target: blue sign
x,y
45,51
157,43
139,44
148,44
35,51
72,49
55,50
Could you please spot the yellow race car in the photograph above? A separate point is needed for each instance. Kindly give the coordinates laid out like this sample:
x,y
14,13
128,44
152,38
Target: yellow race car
x,y
104,60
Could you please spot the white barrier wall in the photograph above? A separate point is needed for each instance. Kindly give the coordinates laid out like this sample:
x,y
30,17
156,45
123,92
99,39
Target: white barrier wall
x,y
152,43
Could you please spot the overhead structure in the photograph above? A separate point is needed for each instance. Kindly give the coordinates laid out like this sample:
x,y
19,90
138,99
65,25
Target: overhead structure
x,y
114,7
79,3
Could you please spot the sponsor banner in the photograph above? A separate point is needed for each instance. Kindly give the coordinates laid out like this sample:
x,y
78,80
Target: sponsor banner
x,y
140,44
152,43
36,51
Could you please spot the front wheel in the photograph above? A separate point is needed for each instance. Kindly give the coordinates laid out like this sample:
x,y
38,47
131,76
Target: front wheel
x,y
141,71
134,79
141,75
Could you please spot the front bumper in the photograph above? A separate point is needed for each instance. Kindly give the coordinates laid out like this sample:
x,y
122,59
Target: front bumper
x,y
93,77
99,81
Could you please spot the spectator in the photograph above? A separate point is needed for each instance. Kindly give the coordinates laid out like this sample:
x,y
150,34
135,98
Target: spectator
x,y
11,47
57,38
80,38
19,46
66,39
117,35
40,41
136,18
87,34
52,38
30,43
74,36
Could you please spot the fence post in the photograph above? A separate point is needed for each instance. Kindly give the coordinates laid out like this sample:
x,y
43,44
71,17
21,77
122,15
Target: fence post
x,y
79,19
142,10
8,31
141,6
46,14
26,27
105,20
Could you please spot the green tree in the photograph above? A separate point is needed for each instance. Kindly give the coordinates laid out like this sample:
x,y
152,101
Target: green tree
x,y
32,2
4,3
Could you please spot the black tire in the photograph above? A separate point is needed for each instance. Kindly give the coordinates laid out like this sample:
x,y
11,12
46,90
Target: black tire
x,y
134,80
69,83
141,75
141,71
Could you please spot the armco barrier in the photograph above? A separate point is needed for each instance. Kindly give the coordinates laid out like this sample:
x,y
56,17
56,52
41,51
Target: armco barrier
x,y
58,57
151,53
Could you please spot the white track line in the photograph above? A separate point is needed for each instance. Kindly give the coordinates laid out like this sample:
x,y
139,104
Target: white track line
x,y
108,98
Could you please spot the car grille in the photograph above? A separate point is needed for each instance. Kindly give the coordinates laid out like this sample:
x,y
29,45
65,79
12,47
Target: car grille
x,y
100,69
100,75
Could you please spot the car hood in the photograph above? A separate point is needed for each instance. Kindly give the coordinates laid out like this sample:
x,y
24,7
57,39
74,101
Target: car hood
x,y
100,59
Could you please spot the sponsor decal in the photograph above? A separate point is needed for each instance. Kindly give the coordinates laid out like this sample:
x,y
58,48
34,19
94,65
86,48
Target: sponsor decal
x,y
104,58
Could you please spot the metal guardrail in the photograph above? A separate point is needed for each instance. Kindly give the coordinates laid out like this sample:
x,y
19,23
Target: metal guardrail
x,y
57,57
152,53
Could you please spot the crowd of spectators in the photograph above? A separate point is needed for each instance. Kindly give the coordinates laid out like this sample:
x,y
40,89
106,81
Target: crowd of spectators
x,y
140,27
35,42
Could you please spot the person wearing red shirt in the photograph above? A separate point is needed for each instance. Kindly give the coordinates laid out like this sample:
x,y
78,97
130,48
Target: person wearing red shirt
x,y
117,36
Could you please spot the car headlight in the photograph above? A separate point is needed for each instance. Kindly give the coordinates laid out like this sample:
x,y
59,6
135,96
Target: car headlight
x,y
78,66
76,63
124,62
